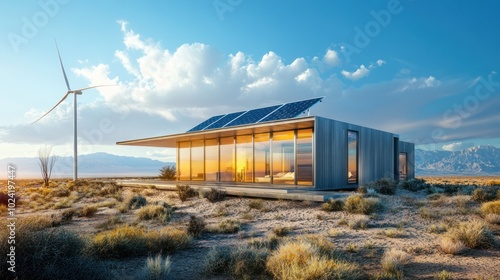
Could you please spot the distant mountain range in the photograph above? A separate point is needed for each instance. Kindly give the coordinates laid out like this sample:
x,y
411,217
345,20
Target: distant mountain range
x,y
480,160
91,165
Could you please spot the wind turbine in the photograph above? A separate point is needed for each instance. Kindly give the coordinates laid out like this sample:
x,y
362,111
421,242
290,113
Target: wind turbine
x,y
75,93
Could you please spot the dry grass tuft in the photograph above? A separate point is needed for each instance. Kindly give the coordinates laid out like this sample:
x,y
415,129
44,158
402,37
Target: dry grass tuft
x,y
269,242
358,204
125,241
155,212
240,263
185,192
247,262
427,213
256,204
333,205
149,192
394,233
132,202
359,222
474,234
36,223
50,254
453,247
384,186
303,260
484,194
247,216
157,267
438,228
443,275
196,226
214,195
87,211
351,248
68,214
281,231
492,207
492,219
393,262
225,226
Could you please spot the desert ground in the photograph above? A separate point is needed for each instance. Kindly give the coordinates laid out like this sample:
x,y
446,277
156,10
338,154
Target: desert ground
x,y
435,228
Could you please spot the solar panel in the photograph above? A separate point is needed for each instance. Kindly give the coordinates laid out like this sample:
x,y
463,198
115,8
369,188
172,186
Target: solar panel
x,y
252,116
206,123
271,113
290,110
224,120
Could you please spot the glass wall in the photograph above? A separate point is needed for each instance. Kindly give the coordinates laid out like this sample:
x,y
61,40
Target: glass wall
x,y
197,161
227,156
244,158
304,157
352,157
211,160
184,161
283,158
262,164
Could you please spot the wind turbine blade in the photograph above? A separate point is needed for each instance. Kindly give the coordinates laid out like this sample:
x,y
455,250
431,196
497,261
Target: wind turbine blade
x,y
82,89
62,67
60,101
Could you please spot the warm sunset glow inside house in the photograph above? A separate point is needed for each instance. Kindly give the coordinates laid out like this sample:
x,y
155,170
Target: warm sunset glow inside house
x,y
272,146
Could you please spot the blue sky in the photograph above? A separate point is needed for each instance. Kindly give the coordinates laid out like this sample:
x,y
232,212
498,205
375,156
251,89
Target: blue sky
x,y
426,70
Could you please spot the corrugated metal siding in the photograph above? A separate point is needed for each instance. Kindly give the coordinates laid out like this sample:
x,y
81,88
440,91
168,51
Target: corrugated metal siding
x,y
375,154
409,149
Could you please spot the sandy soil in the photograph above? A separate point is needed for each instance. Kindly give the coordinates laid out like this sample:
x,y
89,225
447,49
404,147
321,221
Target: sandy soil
x,y
401,211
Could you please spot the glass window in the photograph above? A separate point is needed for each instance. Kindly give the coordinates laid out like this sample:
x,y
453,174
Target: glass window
x,y
197,161
184,162
227,153
352,157
211,159
262,158
304,157
244,158
283,158
402,166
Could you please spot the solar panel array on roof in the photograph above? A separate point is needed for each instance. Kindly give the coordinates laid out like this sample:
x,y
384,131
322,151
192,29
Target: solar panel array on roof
x,y
253,116
206,123
224,120
271,113
290,110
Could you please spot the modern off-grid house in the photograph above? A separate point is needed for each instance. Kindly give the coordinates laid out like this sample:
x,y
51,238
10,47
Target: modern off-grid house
x,y
274,146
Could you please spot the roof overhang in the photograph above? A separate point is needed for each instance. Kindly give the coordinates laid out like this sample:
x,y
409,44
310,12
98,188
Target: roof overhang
x,y
170,141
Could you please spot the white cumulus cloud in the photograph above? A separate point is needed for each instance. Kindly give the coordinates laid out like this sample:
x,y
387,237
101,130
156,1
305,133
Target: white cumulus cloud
x,y
196,81
361,72
381,62
457,146
331,58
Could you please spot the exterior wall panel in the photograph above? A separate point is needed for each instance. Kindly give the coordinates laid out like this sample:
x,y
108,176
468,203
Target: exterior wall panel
x,y
375,154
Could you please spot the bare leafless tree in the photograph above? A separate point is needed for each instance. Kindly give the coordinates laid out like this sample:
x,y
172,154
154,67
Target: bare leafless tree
x,y
46,163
